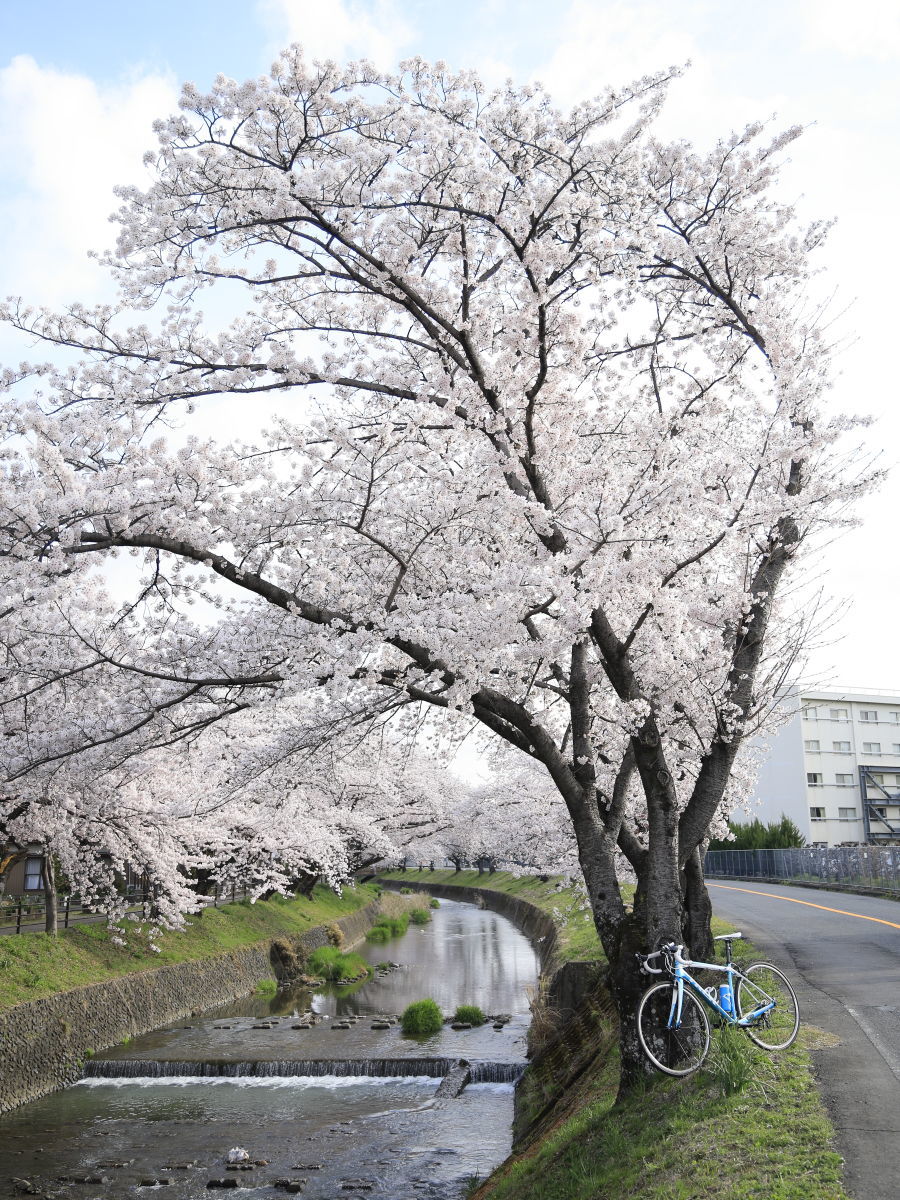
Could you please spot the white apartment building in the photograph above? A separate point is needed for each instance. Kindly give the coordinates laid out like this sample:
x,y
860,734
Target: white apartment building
x,y
834,768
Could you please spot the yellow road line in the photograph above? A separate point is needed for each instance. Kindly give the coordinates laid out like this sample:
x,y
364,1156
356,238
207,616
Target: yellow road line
x,y
790,899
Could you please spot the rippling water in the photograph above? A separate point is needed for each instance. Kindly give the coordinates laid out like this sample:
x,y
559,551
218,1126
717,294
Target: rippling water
x,y
390,1134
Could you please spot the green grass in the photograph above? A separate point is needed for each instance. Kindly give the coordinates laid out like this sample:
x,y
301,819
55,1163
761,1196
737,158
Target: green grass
x,y
266,987
685,1139
419,916
422,1017
386,927
329,962
749,1126
34,965
469,1012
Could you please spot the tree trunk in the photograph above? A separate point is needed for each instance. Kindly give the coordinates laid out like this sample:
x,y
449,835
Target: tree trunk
x,y
50,907
696,917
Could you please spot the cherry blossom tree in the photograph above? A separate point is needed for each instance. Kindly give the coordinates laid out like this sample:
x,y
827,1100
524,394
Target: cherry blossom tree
x,y
511,412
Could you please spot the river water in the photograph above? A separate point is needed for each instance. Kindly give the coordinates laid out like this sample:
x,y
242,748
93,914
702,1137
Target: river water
x,y
362,1120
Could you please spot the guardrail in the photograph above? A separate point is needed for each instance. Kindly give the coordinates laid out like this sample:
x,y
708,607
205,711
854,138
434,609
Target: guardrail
x,y
25,914
876,867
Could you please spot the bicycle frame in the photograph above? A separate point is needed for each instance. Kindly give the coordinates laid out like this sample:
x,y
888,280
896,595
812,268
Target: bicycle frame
x,y
681,976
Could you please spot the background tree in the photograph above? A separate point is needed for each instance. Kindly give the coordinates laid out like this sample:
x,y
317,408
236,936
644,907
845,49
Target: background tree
x,y
563,435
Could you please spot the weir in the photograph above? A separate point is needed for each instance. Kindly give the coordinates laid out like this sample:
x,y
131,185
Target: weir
x,y
377,1068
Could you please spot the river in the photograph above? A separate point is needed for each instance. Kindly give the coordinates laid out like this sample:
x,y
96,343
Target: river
x,y
363,1119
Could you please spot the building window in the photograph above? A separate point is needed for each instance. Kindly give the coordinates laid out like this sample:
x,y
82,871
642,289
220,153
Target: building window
x,y
816,813
844,780
841,747
895,717
812,745
34,879
810,714
868,714
837,714
895,748
814,778
880,812
871,747
846,814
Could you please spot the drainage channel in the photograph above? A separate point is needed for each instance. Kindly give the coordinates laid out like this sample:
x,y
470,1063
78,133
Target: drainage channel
x,y
322,1107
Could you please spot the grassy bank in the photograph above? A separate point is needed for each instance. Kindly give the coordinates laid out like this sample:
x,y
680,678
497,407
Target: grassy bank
x,y
34,965
750,1126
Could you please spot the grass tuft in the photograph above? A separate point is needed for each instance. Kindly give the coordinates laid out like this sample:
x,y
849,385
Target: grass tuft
x,y
329,962
422,1017
469,1012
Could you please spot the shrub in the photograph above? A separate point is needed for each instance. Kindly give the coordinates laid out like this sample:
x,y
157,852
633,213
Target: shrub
x,y
266,987
330,963
422,1017
434,902
335,934
420,916
469,1013
387,927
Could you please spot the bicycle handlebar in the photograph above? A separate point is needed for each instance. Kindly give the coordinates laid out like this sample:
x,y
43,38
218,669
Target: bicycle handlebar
x,y
669,950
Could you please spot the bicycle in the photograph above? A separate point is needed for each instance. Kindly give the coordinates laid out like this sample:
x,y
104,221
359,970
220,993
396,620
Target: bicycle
x,y
672,1023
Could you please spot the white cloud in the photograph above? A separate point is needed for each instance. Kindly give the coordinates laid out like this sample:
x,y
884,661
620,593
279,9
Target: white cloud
x,y
64,143
342,29
865,29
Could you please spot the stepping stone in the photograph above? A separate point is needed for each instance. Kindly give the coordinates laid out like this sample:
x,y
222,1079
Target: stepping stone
x,y
302,1025
380,1025
461,1025
154,1183
230,1182
341,1025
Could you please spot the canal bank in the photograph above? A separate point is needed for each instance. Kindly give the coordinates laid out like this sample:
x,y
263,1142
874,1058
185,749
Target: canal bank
x,y
45,1041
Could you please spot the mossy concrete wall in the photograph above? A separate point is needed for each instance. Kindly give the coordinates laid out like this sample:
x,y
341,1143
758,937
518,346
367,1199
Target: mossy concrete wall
x,y
43,1043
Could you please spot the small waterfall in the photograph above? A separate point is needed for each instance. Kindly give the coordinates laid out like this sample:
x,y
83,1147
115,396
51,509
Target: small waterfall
x,y
142,1068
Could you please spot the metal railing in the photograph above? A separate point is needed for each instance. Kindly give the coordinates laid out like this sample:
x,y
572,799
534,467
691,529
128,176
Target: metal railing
x,y
876,867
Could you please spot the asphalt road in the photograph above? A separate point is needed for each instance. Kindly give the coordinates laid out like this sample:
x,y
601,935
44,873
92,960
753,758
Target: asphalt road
x,y
842,953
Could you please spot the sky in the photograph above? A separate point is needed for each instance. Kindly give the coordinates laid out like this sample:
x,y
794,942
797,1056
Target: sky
x,y
80,86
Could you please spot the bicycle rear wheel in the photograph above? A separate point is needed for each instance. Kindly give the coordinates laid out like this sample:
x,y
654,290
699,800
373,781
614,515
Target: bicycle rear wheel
x,y
677,1051
761,984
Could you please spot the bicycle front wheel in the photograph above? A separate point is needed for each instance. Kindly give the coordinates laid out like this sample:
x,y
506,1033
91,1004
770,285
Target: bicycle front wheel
x,y
680,1050
760,985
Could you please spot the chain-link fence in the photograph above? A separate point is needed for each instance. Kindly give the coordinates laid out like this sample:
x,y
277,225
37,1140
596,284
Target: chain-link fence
x,y
860,866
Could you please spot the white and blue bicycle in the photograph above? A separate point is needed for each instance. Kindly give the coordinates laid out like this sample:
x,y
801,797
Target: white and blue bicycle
x,y
672,1020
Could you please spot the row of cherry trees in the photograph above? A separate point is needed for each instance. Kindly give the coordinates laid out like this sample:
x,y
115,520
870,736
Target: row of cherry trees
x,y
504,412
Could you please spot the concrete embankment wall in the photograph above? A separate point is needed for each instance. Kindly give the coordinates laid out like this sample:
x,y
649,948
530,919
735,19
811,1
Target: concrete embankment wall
x,y
43,1043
